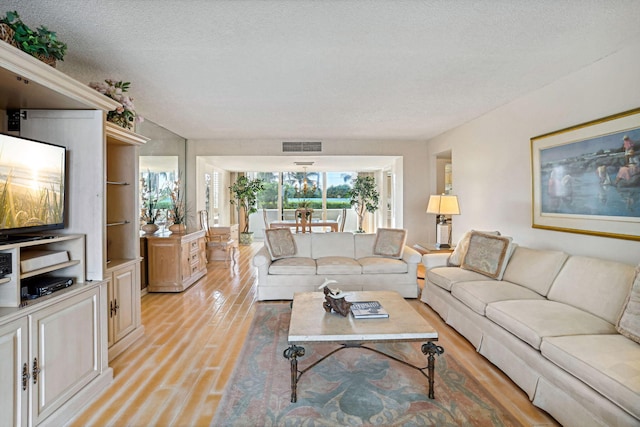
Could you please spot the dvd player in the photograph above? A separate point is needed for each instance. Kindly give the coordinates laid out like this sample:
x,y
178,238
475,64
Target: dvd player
x,y
35,287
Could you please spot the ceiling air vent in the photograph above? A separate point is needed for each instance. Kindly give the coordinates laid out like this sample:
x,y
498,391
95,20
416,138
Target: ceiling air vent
x,y
302,147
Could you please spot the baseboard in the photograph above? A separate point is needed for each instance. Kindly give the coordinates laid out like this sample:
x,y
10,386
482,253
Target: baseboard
x,y
126,342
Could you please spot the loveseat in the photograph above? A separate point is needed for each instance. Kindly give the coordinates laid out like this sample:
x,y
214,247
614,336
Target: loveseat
x,y
290,263
565,329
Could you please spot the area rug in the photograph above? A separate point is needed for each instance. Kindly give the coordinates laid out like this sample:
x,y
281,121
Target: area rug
x,y
354,387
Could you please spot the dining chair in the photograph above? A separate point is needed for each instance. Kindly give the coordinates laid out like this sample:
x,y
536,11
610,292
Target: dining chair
x,y
217,241
303,220
264,217
342,218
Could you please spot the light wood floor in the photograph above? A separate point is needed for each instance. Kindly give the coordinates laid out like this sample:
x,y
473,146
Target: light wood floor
x,y
176,374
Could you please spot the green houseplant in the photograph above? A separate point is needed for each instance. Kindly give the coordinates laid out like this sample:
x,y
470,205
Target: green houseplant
x,y
364,198
244,194
41,43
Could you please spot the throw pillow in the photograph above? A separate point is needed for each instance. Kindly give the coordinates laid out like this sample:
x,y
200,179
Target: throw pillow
x,y
390,242
457,256
280,243
487,254
629,322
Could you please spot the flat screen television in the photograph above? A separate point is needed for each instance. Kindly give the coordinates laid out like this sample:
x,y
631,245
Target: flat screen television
x,y
32,187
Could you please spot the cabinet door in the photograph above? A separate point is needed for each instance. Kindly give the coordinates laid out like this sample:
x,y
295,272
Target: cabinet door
x,y
13,361
82,132
202,253
122,301
185,260
65,347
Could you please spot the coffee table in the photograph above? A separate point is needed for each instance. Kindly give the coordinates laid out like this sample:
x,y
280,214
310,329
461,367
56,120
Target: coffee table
x,y
310,324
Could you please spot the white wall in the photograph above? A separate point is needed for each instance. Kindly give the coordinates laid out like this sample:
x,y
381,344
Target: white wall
x,y
491,155
411,173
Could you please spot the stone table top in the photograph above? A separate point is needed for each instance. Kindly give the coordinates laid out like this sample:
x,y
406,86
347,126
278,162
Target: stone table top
x,y
311,323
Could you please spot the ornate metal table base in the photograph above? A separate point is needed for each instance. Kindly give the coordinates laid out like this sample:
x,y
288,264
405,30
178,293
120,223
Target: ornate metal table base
x,y
430,349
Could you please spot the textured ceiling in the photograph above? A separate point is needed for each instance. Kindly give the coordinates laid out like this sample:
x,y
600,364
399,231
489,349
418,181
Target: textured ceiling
x,y
314,70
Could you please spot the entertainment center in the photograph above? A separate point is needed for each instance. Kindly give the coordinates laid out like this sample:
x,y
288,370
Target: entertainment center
x,y
83,307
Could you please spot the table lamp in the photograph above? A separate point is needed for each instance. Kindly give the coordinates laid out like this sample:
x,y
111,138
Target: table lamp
x,y
443,205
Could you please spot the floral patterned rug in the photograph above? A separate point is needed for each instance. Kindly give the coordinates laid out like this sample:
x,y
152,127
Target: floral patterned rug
x,y
353,387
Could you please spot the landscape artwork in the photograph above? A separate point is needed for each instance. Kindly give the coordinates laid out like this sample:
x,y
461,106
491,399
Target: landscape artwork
x,y
587,178
32,179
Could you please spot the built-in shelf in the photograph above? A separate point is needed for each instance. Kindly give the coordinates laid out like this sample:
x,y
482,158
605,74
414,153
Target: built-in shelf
x,y
5,280
49,269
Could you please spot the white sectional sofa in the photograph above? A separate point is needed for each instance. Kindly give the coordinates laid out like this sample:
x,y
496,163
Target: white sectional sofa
x,y
356,261
551,323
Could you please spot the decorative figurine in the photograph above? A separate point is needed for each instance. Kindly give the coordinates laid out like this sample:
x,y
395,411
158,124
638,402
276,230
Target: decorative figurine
x,y
334,299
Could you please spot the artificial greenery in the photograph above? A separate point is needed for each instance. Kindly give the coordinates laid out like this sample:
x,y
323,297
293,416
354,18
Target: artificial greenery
x,y
178,210
39,42
244,194
364,197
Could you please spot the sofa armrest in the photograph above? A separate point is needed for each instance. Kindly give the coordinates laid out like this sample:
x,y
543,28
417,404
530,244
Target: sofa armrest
x,y
435,260
410,255
262,259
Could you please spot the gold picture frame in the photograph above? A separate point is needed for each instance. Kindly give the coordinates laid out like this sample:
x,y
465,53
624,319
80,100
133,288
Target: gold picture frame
x,y
586,178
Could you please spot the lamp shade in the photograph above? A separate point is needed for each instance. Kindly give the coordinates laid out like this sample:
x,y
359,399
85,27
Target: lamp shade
x,y
443,205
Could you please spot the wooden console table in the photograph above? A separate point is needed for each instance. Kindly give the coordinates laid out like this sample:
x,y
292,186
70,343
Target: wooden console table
x,y
175,261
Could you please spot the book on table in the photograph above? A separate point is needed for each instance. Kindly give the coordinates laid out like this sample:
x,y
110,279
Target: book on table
x,y
368,310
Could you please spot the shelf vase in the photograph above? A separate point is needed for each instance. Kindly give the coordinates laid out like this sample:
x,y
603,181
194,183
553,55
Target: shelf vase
x,y
150,228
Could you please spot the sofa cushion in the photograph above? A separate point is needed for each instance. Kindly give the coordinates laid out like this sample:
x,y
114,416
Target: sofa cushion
x,y
390,242
594,285
476,295
279,242
532,320
456,257
293,265
338,265
364,243
332,244
378,265
629,321
445,277
534,269
610,364
487,254
303,244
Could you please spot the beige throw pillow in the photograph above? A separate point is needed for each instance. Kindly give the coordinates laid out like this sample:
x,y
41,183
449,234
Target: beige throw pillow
x,y
487,254
457,256
629,322
280,243
390,242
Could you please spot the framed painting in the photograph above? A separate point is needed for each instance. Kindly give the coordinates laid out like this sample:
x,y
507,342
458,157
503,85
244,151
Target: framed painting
x,y
586,179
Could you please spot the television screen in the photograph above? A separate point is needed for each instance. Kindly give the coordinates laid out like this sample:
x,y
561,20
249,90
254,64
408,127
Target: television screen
x,y
32,186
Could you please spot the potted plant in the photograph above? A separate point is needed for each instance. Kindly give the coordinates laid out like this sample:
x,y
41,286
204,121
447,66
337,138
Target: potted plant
x,y
149,211
41,43
364,197
244,194
177,212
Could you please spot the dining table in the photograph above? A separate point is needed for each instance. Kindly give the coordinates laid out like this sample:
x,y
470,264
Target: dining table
x,y
290,223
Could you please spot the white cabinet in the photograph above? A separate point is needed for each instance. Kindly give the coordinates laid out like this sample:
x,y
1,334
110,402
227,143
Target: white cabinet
x,y
65,333
123,245
50,353
15,372
123,306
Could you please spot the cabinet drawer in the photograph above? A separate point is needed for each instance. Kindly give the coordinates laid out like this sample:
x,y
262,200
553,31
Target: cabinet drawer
x,y
193,246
